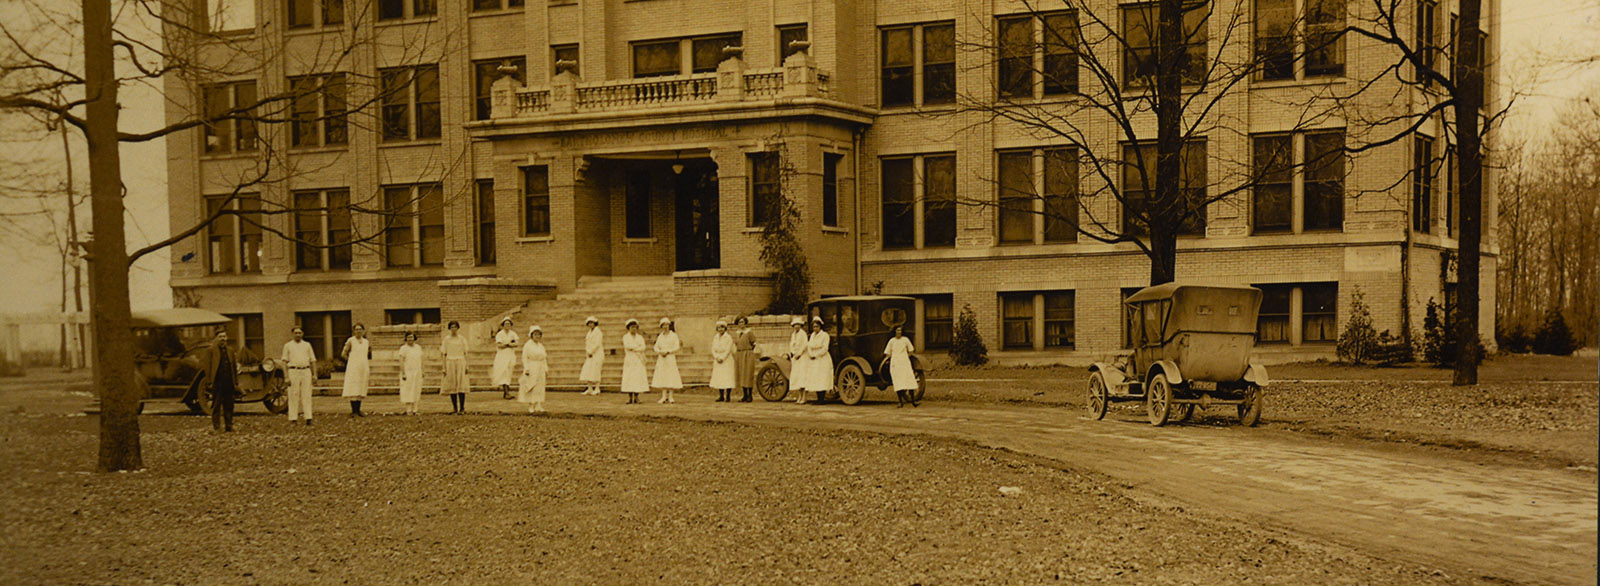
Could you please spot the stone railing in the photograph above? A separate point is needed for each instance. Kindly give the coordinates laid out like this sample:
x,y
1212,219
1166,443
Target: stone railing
x,y
731,82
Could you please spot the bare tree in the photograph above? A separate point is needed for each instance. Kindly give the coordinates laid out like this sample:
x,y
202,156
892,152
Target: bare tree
x,y
119,52
1131,98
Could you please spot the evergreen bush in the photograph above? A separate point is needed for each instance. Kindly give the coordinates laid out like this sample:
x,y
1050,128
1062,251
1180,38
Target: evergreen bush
x,y
1554,337
1390,350
1358,343
1439,344
966,345
1513,338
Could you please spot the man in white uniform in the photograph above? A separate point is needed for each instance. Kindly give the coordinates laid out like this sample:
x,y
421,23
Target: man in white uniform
x,y
298,357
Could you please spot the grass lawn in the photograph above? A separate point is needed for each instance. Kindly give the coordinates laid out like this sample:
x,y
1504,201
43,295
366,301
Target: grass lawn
x,y
528,499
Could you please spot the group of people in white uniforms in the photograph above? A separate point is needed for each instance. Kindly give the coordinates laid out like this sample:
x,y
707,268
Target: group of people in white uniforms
x,y
535,365
810,363
635,381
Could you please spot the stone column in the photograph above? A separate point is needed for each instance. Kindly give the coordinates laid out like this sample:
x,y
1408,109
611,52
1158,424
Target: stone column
x,y
799,73
730,75
564,93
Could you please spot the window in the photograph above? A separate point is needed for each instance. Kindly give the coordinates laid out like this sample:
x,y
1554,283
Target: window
x,y
1321,173
1272,324
1313,306
708,52
935,209
1025,216
1129,324
564,56
391,9
766,188
1427,39
410,102
1324,181
234,240
1139,63
1273,206
484,212
1059,328
1319,308
903,67
484,74
325,330
305,13
318,111
224,134
1422,185
396,317
636,215
1452,192
536,201
1054,46
482,5
246,329
413,232
830,189
1192,185
1016,321
229,15
664,57
322,229
787,35
1283,37
938,321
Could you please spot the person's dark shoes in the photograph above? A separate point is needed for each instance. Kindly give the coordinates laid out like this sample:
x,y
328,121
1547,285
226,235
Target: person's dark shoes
x,y
308,423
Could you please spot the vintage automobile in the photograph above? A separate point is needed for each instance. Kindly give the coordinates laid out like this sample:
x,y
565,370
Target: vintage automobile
x,y
1191,347
169,361
859,327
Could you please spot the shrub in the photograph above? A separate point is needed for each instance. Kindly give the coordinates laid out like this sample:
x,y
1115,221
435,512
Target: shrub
x,y
1358,343
1554,337
1513,338
966,345
1390,350
1439,344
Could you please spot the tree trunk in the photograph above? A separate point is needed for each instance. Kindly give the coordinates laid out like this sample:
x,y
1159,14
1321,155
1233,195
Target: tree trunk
x,y
1469,145
108,263
1168,204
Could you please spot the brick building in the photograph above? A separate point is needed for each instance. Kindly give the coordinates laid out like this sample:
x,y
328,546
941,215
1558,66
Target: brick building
x,y
546,159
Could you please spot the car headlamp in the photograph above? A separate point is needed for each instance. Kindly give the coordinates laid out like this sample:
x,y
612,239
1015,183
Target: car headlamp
x,y
267,365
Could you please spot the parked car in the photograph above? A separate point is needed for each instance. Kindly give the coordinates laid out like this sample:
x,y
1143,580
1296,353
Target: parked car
x,y
1191,347
169,361
859,327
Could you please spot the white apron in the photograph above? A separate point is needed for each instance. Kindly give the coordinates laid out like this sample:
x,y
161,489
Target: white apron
x,y
634,378
505,359
357,369
535,366
799,364
724,371
900,372
666,376
410,373
594,352
820,378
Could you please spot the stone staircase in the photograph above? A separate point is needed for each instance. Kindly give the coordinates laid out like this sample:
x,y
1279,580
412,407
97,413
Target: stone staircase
x,y
613,300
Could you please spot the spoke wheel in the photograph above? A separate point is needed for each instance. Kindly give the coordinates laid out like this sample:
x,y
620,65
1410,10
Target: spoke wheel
x,y
1158,400
1182,412
851,384
277,399
771,383
1250,409
1098,397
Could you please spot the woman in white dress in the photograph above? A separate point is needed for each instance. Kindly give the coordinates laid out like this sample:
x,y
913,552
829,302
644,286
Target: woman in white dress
x,y
594,356
535,365
357,355
900,372
505,358
410,355
820,380
453,346
799,364
666,376
634,379
724,373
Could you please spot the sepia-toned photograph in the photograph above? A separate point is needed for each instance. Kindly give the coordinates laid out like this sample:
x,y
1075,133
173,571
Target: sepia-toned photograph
x,y
899,292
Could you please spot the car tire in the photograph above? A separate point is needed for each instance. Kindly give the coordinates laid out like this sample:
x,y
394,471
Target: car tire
x,y
771,384
851,384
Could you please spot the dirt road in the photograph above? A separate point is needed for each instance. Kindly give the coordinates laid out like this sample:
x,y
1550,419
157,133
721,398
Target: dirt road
x,y
1469,519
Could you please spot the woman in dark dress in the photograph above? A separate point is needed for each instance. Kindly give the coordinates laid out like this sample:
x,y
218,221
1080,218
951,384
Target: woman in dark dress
x,y
744,356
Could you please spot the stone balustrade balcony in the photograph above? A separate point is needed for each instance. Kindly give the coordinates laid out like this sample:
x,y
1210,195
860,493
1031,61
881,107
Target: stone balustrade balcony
x,y
732,83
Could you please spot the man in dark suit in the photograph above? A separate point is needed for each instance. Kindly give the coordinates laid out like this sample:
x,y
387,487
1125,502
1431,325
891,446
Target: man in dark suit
x,y
220,378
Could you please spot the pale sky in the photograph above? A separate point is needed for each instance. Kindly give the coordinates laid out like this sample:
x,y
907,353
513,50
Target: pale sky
x,y
1534,32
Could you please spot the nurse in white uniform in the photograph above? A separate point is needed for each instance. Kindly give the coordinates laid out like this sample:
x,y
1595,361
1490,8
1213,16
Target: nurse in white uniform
x,y
799,364
723,368
594,356
901,374
634,379
410,355
505,358
820,379
666,376
535,367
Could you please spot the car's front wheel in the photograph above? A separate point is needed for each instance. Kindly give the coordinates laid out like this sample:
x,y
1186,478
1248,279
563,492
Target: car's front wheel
x,y
277,398
851,384
771,383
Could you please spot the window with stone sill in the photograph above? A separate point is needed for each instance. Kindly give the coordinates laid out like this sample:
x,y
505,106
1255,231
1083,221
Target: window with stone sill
x,y
410,102
1299,39
318,110
229,107
918,201
304,14
904,69
413,232
322,229
233,240
1038,55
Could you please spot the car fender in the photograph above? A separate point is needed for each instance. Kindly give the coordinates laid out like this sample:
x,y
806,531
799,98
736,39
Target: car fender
x,y
866,369
1257,374
1114,377
1166,367
782,363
